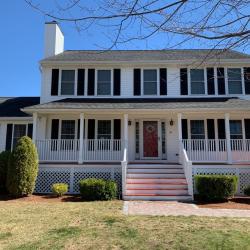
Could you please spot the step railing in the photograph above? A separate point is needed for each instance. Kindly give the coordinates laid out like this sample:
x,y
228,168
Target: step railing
x,y
187,167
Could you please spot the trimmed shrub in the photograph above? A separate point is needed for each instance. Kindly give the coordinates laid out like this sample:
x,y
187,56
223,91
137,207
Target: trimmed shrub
x,y
98,189
216,187
4,162
59,189
23,168
247,191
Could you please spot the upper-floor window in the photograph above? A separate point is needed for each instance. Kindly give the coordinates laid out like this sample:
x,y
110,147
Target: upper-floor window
x,y
234,81
68,82
197,81
104,82
150,82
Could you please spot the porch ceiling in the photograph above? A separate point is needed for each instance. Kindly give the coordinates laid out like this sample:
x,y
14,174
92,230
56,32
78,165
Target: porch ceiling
x,y
140,104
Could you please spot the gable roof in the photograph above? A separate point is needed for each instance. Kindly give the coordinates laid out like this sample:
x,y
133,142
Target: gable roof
x,y
11,107
174,104
145,55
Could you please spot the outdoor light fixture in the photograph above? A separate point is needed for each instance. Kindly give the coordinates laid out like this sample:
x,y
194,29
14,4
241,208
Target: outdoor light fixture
x,y
171,122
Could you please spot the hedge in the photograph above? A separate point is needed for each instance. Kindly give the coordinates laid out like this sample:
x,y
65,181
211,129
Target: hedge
x,y
216,187
247,191
59,189
23,168
98,189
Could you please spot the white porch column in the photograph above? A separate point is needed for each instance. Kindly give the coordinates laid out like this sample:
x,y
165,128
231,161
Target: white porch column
x,y
80,161
179,116
34,127
227,127
125,128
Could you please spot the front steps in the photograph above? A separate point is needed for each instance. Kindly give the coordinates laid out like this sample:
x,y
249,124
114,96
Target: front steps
x,y
156,182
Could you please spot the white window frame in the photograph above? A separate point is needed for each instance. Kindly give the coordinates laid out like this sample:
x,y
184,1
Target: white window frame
x,y
60,82
227,81
205,82
12,135
60,128
157,82
112,127
111,79
190,130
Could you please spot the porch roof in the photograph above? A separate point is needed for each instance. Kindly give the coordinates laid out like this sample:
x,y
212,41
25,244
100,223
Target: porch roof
x,y
183,104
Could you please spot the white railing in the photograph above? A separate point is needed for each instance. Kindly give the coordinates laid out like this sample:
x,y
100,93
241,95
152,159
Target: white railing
x,y
187,167
68,150
124,164
240,150
201,150
58,150
216,150
102,150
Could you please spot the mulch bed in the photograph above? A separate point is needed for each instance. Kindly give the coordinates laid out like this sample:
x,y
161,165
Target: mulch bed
x,y
234,203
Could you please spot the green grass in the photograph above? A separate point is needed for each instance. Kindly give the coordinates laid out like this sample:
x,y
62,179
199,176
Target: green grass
x,y
101,225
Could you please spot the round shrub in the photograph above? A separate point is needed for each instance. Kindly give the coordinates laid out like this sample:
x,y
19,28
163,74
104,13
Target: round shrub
x,y
216,187
4,162
59,189
23,168
247,191
98,189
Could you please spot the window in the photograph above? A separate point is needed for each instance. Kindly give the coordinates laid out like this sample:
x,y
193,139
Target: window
x,y
18,132
236,129
68,82
68,129
197,129
234,81
150,81
104,82
197,81
104,129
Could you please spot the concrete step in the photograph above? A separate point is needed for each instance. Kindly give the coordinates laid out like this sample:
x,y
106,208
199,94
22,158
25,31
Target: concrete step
x,y
159,186
157,181
156,170
154,175
157,192
158,197
151,166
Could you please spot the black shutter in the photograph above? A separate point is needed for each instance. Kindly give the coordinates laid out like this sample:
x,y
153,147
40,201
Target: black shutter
x,y
210,81
184,81
8,136
210,129
184,125
30,130
117,129
247,80
80,81
54,81
55,129
221,81
247,128
78,129
117,81
221,129
91,81
163,81
137,81
91,129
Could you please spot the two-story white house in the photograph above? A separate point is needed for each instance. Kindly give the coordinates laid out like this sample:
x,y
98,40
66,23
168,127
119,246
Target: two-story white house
x,y
149,119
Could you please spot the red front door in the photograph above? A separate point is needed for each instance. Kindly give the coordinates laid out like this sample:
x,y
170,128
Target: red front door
x,y
150,139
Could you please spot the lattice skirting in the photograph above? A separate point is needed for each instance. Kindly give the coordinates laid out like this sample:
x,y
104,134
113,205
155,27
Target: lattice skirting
x,y
242,173
72,175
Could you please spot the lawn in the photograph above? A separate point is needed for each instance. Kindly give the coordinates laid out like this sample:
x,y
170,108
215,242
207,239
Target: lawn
x,y
101,225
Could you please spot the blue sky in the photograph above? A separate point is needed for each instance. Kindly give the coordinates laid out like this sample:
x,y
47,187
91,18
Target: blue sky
x,y
22,38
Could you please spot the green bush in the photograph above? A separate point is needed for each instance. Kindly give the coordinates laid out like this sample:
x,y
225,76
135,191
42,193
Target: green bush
x,y
23,168
59,189
247,191
4,161
98,189
216,187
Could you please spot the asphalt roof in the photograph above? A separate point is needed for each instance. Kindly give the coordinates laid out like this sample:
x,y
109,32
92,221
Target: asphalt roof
x,y
195,104
144,55
11,106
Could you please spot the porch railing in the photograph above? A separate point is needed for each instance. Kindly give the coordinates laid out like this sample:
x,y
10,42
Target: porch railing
x,y
68,150
216,150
